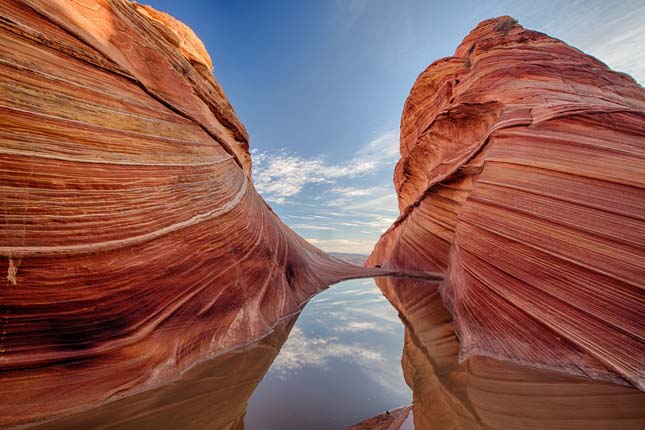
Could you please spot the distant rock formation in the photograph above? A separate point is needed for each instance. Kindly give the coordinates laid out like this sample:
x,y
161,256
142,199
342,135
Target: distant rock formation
x,y
521,178
132,241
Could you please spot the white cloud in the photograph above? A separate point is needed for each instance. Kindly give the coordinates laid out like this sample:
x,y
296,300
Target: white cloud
x,y
383,149
308,218
380,197
312,227
343,245
353,203
281,176
348,192
624,52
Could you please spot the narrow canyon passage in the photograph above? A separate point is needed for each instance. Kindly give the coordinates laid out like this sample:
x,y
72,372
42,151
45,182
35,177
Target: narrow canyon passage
x,y
150,285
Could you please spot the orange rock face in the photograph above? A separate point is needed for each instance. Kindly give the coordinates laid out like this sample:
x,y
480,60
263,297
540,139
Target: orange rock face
x,y
482,393
521,178
133,242
212,395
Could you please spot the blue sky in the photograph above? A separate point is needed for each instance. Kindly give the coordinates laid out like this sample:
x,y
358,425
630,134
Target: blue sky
x,y
320,85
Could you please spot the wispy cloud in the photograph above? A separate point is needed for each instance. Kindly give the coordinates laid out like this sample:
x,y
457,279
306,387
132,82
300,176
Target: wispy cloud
x,y
610,31
312,227
339,207
361,199
357,246
374,221
382,150
280,176
349,192
624,49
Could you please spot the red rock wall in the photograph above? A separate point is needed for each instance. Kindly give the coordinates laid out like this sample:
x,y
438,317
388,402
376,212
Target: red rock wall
x,y
133,243
521,178
482,393
212,395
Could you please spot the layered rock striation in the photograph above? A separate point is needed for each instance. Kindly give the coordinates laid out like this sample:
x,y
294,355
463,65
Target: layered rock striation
x,y
521,178
483,393
133,243
212,395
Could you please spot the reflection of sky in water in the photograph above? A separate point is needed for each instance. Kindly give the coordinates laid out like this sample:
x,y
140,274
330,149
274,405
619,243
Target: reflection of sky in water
x,y
341,364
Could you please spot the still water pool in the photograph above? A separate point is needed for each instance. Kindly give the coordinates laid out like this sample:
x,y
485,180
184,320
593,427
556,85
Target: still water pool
x,y
340,364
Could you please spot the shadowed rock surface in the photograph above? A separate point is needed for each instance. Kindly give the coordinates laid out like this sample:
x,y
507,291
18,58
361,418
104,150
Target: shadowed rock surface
x,y
133,241
211,395
521,178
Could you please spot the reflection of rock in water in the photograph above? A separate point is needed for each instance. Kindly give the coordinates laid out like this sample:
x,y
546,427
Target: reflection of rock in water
x,y
484,393
212,395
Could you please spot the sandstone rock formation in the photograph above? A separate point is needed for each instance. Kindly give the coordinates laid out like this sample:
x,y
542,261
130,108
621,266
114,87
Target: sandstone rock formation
x,y
212,395
132,241
483,393
521,177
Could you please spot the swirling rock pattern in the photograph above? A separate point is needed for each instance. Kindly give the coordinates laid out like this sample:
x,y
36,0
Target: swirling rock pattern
x,y
211,395
521,177
132,239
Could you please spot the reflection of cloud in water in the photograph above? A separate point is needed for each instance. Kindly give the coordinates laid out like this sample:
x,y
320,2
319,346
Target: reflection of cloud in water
x,y
301,351
357,313
347,341
349,292
362,293
338,303
353,326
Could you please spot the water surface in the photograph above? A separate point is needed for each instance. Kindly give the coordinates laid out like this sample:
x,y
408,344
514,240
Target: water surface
x,y
341,364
